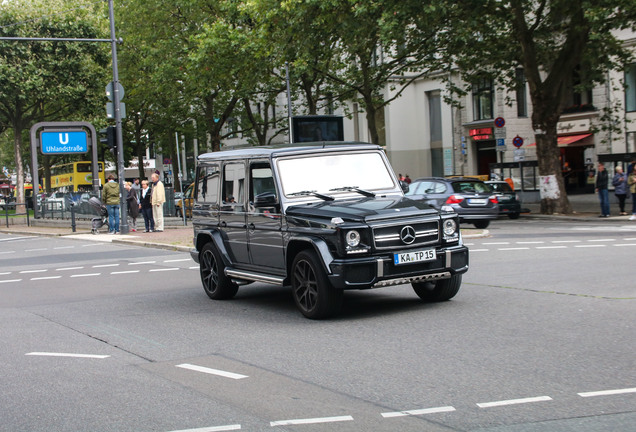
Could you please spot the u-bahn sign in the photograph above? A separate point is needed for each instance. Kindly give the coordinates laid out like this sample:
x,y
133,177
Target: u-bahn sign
x,y
63,141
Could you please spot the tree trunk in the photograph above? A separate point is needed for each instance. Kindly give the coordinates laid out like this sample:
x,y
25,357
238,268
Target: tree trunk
x,y
554,198
17,147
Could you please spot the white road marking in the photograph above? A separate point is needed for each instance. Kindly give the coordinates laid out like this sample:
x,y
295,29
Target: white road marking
x,y
53,354
602,240
69,268
514,248
589,246
514,401
530,242
35,250
608,392
14,238
63,247
164,269
5,273
105,265
566,241
178,260
143,262
212,429
193,268
625,244
551,247
10,280
496,243
212,371
311,421
125,272
45,278
7,252
418,412
86,275
32,271
479,250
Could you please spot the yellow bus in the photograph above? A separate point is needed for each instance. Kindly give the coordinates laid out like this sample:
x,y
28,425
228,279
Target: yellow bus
x,y
74,176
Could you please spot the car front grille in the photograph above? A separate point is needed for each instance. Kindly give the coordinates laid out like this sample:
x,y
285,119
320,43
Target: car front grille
x,y
390,236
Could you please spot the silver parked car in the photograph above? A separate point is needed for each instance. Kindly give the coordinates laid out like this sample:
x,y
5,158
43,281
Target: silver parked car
x,y
472,199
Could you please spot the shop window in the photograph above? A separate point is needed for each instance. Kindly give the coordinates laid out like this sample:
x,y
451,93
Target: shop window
x,y
483,99
630,88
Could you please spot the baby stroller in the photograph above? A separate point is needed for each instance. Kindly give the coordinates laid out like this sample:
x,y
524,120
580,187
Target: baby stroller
x,y
98,222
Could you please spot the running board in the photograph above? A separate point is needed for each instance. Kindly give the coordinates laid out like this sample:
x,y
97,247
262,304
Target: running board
x,y
254,277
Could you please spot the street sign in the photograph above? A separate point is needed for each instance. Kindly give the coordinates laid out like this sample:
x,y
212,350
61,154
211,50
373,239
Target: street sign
x,y
501,142
63,141
519,155
517,141
110,91
110,110
500,133
500,122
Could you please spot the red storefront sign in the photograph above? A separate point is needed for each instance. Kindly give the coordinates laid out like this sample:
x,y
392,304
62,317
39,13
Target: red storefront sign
x,y
480,134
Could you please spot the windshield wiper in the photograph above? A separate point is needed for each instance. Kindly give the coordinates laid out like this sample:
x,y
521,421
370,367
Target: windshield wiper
x,y
353,188
312,193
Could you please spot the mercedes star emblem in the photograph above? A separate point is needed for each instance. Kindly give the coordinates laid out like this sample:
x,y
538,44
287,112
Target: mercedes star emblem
x,y
407,234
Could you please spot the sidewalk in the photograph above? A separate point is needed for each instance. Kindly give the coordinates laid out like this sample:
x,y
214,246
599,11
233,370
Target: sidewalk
x,y
178,237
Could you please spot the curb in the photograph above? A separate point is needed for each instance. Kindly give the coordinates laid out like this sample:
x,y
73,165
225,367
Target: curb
x,y
164,246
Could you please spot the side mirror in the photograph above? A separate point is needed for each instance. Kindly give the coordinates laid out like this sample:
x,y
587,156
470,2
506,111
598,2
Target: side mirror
x,y
405,186
265,199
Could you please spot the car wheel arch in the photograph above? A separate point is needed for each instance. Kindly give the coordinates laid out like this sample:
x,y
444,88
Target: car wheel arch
x,y
299,244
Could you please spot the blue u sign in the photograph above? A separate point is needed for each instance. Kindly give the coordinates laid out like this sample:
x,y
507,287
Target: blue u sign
x,y
64,142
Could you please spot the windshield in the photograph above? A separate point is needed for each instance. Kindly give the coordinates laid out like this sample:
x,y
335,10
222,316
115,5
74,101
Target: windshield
x,y
328,172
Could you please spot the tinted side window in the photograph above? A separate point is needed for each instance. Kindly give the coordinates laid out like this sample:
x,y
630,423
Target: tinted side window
x,y
208,184
470,187
233,193
262,179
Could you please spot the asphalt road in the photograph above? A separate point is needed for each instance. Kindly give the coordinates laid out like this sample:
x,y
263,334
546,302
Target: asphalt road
x,y
103,337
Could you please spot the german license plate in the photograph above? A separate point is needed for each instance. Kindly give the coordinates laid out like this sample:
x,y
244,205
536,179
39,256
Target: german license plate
x,y
477,201
413,257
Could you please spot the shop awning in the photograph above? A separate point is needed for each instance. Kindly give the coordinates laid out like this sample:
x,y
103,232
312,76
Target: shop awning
x,y
570,139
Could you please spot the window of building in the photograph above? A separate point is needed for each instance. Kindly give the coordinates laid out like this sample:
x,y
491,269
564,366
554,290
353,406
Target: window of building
x,y
630,88
434,115
522,102
483,99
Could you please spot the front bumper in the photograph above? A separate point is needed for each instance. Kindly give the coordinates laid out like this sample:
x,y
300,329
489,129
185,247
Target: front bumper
x,y
379,270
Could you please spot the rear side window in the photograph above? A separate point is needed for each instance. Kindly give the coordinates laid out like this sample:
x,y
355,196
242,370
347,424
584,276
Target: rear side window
x,y
208,184
470,187
233,191
500,187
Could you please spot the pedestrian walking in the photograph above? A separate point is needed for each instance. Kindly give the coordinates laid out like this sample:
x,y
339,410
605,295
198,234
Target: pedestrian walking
x,y
136,185
620,188
158,198
132,202
632,188
110,195
602,182
146,206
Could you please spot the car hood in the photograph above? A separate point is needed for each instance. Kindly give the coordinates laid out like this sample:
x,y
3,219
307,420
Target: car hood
x,y
363,209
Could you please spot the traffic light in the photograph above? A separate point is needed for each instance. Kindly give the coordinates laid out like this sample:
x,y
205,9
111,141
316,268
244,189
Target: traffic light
x,y
110,139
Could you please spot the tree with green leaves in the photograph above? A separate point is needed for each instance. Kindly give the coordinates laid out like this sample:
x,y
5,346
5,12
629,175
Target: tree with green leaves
x,y
562,46
55,80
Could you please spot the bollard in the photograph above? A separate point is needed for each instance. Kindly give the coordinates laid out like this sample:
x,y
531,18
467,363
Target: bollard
x,y
73,216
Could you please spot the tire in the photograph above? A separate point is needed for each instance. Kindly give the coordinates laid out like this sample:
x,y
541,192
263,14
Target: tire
x,y
313,294
482,224
438,291
513,215
215,283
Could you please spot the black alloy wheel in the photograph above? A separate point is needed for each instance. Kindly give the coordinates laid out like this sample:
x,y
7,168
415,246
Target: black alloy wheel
x,y
215,283
313,294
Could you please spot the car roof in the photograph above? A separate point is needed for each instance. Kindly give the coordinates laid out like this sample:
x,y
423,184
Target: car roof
x,y
306,147
286,149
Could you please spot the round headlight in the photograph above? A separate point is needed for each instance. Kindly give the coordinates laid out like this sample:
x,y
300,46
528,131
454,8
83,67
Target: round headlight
x,y
450,227
353,238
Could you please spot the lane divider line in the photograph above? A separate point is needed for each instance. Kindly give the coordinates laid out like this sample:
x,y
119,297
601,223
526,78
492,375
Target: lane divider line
x,y
608,392
514,402
311,421
212,429
418,412
211,371
54,354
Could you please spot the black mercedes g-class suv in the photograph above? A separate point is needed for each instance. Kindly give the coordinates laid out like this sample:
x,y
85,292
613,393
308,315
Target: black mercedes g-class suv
x,y
322,218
